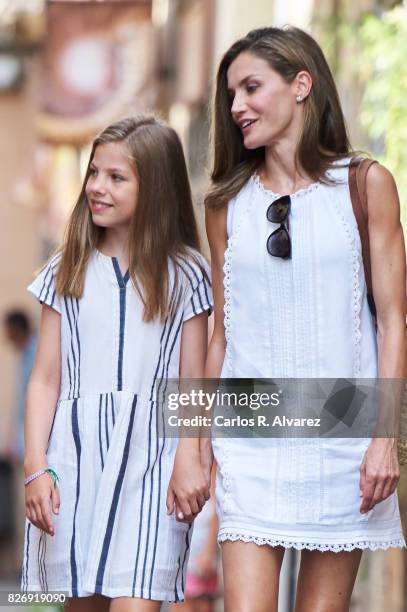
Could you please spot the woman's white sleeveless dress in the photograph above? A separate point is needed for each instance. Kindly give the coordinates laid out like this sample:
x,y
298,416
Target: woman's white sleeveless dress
x,y
306,317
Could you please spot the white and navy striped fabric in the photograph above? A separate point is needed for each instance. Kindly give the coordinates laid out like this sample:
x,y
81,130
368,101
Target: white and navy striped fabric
x,y
113,535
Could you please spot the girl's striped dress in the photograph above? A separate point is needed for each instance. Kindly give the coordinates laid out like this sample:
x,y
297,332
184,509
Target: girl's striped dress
x,y
113,535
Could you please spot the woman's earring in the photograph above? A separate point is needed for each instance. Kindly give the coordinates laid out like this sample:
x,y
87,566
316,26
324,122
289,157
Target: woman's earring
x,y
299,99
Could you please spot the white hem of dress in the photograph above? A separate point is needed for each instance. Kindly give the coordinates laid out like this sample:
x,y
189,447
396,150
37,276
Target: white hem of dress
x,y
333,547
161,596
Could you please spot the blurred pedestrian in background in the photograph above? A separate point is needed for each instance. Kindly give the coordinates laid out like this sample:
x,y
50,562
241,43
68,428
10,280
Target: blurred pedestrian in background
x,y
202,585
20,334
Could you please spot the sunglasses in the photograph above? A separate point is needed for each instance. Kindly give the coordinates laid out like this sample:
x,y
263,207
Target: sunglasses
x,y
279,242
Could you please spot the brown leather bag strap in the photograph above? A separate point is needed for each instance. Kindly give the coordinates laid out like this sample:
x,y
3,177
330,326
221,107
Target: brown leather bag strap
x,y
358,169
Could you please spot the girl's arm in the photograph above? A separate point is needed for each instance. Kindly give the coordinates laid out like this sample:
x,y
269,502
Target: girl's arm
x,y
42,395
189,487
380,469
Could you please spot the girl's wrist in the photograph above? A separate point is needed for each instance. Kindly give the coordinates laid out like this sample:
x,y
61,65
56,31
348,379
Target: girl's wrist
x,y
33,464
40,473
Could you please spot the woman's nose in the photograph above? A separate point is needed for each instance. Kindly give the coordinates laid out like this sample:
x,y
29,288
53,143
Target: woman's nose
x,y
239,104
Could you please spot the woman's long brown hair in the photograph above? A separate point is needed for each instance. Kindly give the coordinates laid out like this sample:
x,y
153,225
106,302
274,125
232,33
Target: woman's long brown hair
x,y
324,137
163,227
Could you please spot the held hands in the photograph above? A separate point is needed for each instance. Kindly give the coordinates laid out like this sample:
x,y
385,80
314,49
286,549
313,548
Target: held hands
x,y
189,486
40,498
379,472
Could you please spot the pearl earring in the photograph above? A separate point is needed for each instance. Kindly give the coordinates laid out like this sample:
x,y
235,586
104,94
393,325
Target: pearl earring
x,y
299,99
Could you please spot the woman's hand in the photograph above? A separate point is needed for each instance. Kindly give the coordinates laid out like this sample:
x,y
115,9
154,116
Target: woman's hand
x,y
379,472
189,486
40,498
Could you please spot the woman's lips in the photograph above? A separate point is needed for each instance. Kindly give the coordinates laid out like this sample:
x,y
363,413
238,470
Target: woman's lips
x,y
245,127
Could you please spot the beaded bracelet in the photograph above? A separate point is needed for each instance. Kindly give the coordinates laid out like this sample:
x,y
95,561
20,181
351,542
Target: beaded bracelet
x,y
40,473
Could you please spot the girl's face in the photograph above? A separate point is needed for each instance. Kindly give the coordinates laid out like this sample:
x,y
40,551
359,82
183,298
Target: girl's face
x,y
112,186
263,103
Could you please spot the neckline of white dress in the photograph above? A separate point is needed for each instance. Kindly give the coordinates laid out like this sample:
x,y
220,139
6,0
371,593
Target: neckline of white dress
x,y
113,263
103,255
269,192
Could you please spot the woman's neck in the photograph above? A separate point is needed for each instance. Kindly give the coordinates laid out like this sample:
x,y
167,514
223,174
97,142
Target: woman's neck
x,y
280,172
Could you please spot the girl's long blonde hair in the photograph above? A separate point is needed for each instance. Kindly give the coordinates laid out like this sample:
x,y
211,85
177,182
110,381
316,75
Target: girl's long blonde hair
x,y
163,227
324,137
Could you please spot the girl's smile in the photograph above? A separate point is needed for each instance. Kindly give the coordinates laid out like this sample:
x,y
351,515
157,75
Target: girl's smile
x,y
97,206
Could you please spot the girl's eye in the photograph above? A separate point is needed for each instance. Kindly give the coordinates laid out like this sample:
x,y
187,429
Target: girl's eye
x,y
117,177
93,172
251,88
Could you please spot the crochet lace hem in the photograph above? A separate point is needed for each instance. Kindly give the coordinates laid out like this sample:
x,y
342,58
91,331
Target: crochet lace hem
x,y
334,547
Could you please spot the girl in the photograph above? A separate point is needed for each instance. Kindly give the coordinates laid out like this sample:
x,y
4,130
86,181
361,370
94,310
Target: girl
x,y
279,131
125,305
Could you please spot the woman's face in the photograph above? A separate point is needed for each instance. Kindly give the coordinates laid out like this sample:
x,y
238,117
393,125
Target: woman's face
x,y
112,186
263,104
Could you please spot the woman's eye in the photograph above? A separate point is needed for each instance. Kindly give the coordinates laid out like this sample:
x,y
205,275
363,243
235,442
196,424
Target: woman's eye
x,y
117,177
93,172
251,88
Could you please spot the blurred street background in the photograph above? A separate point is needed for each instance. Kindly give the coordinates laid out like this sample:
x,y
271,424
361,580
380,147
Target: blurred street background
x,y
67,69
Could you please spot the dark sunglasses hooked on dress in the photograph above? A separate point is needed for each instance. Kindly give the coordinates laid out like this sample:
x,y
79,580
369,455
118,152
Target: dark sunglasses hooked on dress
x,y
279,242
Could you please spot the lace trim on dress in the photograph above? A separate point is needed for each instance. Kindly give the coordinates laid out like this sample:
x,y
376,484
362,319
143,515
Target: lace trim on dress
x,y
335,547
356,292
227,271
226,307
270,192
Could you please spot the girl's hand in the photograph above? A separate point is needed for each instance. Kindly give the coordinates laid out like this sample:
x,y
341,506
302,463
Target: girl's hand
x,y
379,472
189,487
40,498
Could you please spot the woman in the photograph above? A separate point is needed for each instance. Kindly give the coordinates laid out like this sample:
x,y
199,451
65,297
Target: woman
x,y
290,301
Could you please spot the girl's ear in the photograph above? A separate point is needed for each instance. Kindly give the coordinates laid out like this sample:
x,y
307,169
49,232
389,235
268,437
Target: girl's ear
x,y
302,85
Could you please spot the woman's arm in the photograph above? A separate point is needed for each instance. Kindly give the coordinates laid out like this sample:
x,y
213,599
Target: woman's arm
x,y
217,238
380,470
42,395
388,261
206,560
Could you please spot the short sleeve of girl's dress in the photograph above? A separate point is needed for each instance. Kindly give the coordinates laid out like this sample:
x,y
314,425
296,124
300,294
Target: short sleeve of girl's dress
x,y
198,294
43,286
